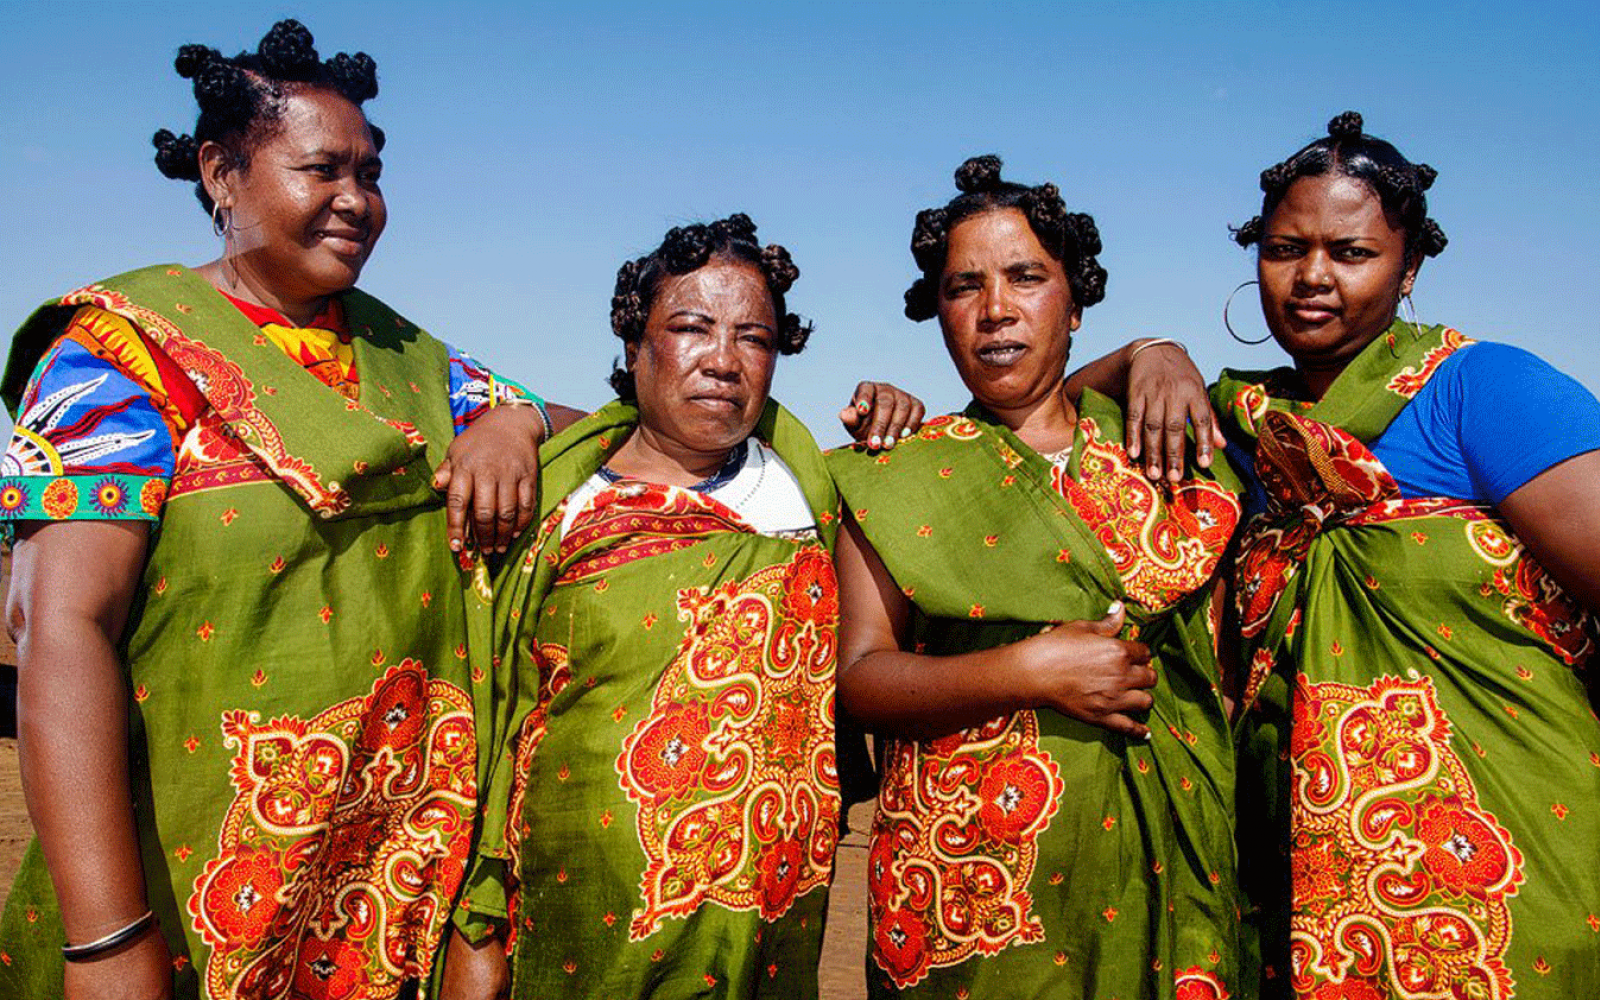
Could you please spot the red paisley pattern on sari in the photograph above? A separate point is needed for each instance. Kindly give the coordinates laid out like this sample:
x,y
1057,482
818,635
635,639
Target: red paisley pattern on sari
x,y
1409,380
1401,880
230,393
1164,541
636,520
1197,984
954,843
1319,477
1530,597
338,859
733,770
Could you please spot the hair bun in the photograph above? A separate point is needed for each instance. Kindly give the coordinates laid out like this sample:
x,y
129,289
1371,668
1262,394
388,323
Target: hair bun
x,y
288,51
1426,175
1346,126
356,76
779,268
177,156
191,59
980,173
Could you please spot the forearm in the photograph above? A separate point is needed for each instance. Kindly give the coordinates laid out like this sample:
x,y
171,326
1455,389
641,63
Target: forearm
x,y
1107,375
73,750
915,696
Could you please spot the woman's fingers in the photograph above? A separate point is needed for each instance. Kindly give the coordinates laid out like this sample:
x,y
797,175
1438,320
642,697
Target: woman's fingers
x,y
527,502
457,501
1131,728
506,512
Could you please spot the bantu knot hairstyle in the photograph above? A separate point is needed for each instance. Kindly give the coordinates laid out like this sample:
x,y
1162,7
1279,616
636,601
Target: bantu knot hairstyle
x,y
241,99
1070,237
1346,149
689,248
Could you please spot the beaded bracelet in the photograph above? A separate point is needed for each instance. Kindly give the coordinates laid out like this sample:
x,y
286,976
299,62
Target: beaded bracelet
x,y
99,946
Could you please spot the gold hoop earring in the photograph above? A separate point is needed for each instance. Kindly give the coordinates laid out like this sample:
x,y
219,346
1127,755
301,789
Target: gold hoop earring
x,y
1229,302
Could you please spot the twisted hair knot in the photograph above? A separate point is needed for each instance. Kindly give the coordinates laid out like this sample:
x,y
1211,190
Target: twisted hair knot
x,y
979,174
288,52
1346,125
177,156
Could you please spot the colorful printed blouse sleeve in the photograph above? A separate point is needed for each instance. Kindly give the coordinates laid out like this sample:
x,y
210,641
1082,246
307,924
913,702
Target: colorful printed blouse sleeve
x,y
96,435
475,390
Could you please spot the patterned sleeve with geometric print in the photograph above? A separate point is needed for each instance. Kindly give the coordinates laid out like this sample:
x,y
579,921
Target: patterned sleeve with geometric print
x,y
98,428
475,390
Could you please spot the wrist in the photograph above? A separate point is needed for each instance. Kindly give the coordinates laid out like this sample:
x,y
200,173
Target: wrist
x,y
1145,343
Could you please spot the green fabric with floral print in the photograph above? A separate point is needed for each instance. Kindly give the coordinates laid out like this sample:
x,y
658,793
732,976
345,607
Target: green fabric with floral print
x,y
298,662
669,779
1037,855
1420,762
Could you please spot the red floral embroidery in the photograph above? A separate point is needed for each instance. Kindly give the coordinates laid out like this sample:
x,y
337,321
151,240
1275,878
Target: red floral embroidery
x,y
1401,879
1165,542
1197,984
338,859
733,769
1410,380
954,844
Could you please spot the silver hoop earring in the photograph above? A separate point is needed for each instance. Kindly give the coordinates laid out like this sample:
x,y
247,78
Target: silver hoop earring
x,y
1411,311
221,220
1229,302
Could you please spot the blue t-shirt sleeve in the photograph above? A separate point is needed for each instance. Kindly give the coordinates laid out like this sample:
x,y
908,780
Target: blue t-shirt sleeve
x,y
1517,417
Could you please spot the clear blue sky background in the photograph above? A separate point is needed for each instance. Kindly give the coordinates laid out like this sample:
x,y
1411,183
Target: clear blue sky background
x,y
532,148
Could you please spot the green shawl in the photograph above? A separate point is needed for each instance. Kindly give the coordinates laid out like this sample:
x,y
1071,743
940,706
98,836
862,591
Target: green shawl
x,y
673,796
1037,855
1421,764
301,689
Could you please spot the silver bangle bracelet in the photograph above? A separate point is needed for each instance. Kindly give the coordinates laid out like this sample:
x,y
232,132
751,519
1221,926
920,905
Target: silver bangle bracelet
x,y
1155,342
122,935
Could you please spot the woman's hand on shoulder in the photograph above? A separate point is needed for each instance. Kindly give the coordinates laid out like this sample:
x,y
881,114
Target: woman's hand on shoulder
x,y
1165,394
475,971
881,414
142,968
490,475
1082,670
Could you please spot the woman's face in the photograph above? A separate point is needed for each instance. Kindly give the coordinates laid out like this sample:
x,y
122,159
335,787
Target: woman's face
x,y
1332,269
1006,310
307,211
703,368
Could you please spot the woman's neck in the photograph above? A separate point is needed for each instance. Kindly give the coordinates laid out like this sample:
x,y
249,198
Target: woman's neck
x,y
655,458
1046,425
229,275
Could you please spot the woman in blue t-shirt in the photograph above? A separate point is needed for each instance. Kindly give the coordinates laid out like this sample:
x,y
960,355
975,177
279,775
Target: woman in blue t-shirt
x,y
1415,602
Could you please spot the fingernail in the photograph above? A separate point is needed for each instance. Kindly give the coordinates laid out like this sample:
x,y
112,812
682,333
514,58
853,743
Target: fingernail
x,y
1147,736
888,442
876,442
862,407
1154,472
1115,607
455,546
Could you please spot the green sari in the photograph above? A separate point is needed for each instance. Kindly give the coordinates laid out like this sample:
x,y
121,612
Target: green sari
x,y
302,737
1036,855
673,796
1421,763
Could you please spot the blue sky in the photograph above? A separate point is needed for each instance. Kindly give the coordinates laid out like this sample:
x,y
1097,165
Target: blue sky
x,y
532,148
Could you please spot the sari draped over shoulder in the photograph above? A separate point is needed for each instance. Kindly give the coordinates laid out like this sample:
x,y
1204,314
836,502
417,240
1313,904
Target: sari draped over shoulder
x,y
1036,855
1420,760
671,791
300,662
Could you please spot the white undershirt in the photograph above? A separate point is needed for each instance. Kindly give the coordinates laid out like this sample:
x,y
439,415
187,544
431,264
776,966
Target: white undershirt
x,y
764,492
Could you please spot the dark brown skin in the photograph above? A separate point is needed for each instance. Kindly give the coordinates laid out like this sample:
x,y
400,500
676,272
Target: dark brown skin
x,y
73,723
1007,314
1332,270
474,971
1165,393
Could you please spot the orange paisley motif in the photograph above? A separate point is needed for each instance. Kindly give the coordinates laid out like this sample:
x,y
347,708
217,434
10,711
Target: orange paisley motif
x,y
733,770
1401,880
340,855
1165,542
1196,984
954,844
